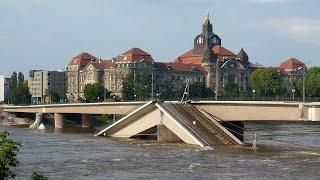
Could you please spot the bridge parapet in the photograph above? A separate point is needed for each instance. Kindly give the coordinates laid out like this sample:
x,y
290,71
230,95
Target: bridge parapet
x,y
225,110
261,110
86,108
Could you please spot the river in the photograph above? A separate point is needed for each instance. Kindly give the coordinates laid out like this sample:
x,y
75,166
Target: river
x,y
285,151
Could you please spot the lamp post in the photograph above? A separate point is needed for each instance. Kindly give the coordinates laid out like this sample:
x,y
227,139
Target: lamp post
x,y
135,97
216,95
303,83
253,92
293,91
152,86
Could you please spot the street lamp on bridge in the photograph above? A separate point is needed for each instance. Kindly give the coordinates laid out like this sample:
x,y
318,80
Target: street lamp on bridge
x,y
293,91
253,92
303,83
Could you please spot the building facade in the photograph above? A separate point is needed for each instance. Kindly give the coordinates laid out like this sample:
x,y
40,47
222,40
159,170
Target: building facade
x,y
208,62
42,83
4,87
292,69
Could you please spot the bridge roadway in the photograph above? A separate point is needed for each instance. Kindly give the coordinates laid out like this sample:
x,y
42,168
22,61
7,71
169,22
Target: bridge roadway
x,y
223,110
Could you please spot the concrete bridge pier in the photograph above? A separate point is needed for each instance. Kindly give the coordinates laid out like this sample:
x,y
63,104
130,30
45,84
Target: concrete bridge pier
x,y
58,120
165,135
86,119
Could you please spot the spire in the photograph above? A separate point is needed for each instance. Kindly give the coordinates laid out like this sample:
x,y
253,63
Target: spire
x,y
243,57
207,17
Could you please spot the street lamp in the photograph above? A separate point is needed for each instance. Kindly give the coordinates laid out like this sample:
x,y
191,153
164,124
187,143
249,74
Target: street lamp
x,y
304,83
135,97
216,95
293,91
253,92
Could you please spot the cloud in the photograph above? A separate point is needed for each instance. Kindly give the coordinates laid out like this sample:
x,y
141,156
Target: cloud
x,y
302,29
269,1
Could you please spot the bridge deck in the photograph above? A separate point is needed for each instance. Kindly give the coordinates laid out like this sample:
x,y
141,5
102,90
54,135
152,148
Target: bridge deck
x,y
225,110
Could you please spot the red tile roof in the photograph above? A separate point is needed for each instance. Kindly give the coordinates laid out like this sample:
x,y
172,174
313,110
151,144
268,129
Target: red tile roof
x,y
105,64
135,54
179,66
82,59
291,64
190,58
223,52
108,64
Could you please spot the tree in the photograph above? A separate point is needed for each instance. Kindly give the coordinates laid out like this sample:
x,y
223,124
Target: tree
x,y
20,78
94,92
267,82
19,91
231,90
199,90
13,80
128,88
313,82
8,153
141,87
166,91
20,94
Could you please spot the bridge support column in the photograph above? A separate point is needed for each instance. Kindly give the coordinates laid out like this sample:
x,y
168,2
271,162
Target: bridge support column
x,y
86,119
165,135
58,120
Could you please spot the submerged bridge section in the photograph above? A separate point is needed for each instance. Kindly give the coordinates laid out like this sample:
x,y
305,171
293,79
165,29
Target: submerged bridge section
x,y
181,122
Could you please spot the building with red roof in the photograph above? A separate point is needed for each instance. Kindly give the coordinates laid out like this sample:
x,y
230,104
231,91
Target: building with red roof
x,y
207,62
292,69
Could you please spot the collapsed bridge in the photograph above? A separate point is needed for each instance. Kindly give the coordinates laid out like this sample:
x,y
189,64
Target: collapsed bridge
x,y
172,121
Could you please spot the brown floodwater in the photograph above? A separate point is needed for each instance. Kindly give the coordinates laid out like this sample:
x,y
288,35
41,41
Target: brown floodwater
x,y
285,151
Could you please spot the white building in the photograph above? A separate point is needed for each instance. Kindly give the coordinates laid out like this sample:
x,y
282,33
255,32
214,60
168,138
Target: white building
x,y
4,87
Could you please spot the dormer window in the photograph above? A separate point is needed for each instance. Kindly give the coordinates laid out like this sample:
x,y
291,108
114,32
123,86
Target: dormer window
x,y
194,69
216,40
169,68
200,40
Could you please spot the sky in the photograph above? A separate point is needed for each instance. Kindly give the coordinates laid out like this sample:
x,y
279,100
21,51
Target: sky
x,y
47,34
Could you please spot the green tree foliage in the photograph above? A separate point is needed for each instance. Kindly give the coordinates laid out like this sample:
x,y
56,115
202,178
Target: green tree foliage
x,y
20,78
166,91
53,96
20,94
36,176
141,87
267,82
128,88
231,90
13,81
313,82
199,90
19,91
8,153
94,92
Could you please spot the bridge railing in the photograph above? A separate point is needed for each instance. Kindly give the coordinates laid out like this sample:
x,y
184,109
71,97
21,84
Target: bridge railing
x,y
284,99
